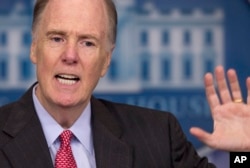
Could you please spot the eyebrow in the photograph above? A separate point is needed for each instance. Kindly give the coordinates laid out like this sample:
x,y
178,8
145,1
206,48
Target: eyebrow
x,y
56,32
88,36
62,33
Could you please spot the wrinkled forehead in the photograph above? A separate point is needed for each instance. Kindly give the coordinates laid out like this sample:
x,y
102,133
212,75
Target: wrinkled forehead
x,y
76,14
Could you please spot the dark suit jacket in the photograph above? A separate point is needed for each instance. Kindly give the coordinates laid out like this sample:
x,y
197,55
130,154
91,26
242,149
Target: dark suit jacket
x,y
124,137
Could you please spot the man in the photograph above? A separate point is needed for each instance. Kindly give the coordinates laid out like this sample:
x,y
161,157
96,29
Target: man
x,y
71,48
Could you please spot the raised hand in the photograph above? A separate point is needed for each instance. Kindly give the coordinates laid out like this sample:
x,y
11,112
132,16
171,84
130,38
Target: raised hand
x,y
231,115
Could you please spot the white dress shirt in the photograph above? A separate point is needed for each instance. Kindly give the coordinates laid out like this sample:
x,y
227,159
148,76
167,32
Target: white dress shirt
x,y
82,142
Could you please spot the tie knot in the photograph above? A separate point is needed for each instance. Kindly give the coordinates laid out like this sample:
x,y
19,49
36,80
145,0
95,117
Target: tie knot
x,y
65,137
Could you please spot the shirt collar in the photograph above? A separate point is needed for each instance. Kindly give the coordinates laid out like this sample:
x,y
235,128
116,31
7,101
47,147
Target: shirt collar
x,y
81,128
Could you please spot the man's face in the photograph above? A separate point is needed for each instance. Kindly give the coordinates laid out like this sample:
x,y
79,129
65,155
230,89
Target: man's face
x,y
71,51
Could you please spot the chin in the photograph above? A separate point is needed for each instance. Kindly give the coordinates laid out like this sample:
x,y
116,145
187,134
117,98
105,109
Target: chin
x,y
66,103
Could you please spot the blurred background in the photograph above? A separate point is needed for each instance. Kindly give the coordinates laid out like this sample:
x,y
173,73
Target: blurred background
x,y
163,50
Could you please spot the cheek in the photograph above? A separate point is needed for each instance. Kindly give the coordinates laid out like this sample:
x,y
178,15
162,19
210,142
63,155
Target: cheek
x,y
44,62
45,55
100,64
93,69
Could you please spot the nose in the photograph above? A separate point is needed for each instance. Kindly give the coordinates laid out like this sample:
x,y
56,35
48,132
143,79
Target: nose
x,y
70,56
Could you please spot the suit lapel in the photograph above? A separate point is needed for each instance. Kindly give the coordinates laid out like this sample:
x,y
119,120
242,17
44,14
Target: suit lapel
x,y
28,146
110,150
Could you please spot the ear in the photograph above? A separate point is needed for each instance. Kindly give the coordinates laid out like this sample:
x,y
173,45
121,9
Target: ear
x,y
33,57
107,61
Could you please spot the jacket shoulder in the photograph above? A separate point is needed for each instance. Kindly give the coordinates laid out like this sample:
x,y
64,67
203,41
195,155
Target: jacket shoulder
x,y
5,112
140,116
155,135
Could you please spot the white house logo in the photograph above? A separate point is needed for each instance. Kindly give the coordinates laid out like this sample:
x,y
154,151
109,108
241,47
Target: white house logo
x,y
171,49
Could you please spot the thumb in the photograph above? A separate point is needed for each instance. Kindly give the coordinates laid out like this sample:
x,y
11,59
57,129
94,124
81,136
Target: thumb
x,y
200,134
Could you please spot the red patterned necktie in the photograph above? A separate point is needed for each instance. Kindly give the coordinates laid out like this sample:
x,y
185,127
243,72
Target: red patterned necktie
x,y
64,156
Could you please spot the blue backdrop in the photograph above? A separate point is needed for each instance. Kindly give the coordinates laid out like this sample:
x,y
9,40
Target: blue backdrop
x,y
163,50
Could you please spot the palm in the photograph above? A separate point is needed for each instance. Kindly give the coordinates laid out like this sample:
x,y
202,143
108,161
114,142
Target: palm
x,y
231,120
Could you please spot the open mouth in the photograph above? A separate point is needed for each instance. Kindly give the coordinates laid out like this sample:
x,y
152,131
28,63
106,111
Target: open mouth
x,y
67,79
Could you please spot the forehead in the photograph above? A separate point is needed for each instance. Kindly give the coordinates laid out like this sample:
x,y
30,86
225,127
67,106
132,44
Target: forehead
x,y
75,15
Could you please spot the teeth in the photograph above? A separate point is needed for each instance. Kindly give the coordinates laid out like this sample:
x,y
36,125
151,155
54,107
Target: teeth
x,y
67,79
66,82
68,76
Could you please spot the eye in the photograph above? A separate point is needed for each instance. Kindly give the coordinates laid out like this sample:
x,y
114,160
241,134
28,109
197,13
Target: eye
x,y
89,44
56,39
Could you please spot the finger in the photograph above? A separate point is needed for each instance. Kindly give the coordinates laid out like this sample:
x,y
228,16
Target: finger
x,y
222,85
234,84
248,90
212,97
202,135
